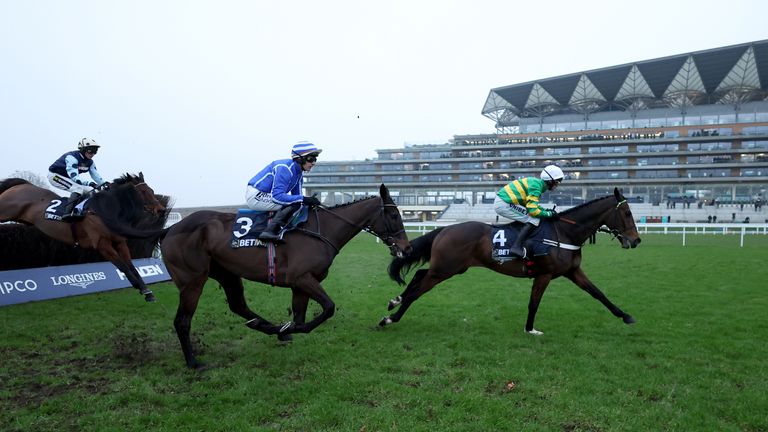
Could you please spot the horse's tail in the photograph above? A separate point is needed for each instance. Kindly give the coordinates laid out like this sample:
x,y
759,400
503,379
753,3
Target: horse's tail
x,y
11,182
421,252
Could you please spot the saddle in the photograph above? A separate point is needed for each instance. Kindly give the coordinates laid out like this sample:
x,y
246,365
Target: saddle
x,y
249,224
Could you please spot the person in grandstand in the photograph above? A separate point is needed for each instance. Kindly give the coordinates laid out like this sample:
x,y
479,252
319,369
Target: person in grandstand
x,y
68,173
277,187
519,201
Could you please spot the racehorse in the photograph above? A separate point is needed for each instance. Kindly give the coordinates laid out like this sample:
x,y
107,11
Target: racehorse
x,y
451,250
199,247
113,214
25,246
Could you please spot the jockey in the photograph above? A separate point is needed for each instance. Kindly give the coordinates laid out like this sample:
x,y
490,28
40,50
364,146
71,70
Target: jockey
x,y
519,201
67,173
277,187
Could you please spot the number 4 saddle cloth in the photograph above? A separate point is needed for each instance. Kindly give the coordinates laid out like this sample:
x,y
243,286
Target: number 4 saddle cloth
x,y
538,243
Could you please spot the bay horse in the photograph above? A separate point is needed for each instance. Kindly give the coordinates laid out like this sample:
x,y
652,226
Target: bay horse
x,y
199,247
115,213
451,250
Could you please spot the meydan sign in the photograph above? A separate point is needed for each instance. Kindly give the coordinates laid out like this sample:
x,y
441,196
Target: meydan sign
x,y
21,286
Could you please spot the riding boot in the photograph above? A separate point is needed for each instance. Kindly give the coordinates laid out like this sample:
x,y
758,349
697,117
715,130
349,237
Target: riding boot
x,y
517,247
280,218
69,208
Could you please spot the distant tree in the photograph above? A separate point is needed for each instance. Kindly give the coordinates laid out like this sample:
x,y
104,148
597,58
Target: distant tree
x,y
33,178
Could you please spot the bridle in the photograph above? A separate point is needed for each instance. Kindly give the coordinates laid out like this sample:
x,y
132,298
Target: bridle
x,y
388,238
615,233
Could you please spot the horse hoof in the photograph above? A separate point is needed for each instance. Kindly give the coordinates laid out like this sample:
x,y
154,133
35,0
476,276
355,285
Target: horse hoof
x,y
384,321
629,320
150,298
285,337
534,332
199,367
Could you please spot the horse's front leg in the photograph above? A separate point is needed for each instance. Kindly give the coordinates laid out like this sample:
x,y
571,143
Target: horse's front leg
x,y
540,284
113,255
306,288
579,278
234,290
132,274
299,303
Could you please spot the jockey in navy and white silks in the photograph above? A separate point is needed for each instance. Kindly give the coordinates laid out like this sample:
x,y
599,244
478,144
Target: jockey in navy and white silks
x,y
67,172
279,187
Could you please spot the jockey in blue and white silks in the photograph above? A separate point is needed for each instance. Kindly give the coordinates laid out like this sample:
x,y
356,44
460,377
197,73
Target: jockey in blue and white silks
x,y
67,173
279,187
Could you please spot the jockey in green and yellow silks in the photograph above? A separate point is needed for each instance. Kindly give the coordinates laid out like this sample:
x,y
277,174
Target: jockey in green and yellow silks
x,y
519,201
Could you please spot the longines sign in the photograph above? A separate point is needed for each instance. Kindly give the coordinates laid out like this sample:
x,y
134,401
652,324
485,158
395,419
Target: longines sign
x,y
21,286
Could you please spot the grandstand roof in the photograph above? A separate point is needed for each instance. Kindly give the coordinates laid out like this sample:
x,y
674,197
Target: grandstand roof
x,y
728,75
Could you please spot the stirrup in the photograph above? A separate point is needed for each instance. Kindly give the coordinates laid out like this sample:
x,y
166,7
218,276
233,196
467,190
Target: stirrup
x,y
523,255
72,217
268,236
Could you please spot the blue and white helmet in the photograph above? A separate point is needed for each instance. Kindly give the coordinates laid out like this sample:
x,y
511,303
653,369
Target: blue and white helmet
x,y
304,148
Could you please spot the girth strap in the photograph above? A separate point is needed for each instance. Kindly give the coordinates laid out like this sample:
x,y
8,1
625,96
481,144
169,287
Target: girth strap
x,y
272,276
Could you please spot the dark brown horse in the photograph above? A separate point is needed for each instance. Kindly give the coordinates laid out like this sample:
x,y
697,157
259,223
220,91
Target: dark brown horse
x,y
199,247
114,214
453,249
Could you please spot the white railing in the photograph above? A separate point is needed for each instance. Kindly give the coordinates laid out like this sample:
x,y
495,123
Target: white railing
x,y
685,229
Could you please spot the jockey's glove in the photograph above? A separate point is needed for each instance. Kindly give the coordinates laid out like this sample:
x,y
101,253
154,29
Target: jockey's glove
x,y
310,201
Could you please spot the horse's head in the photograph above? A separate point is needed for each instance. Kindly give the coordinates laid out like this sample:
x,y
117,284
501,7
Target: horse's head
x,y
146,193
621,223
389,226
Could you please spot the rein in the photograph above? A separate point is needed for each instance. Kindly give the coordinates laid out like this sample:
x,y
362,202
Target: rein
x,y
388,240
616,234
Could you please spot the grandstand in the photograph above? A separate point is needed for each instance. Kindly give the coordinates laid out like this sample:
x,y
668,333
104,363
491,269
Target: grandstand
x,y
685,130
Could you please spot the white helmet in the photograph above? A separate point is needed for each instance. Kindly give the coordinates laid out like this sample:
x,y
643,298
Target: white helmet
x,y
87,143
552,173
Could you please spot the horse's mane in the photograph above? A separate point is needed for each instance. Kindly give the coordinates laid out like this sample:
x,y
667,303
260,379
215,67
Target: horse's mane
x,y
120,205
366,198
128,178
573,209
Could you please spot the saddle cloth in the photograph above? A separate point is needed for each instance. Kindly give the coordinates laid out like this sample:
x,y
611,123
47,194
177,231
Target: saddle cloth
x,y
55,210
249,224
503,236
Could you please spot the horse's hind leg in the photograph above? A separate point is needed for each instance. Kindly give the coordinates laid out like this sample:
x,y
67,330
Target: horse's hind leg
x,y
415,281
190,289
423,281
233,288
579,278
